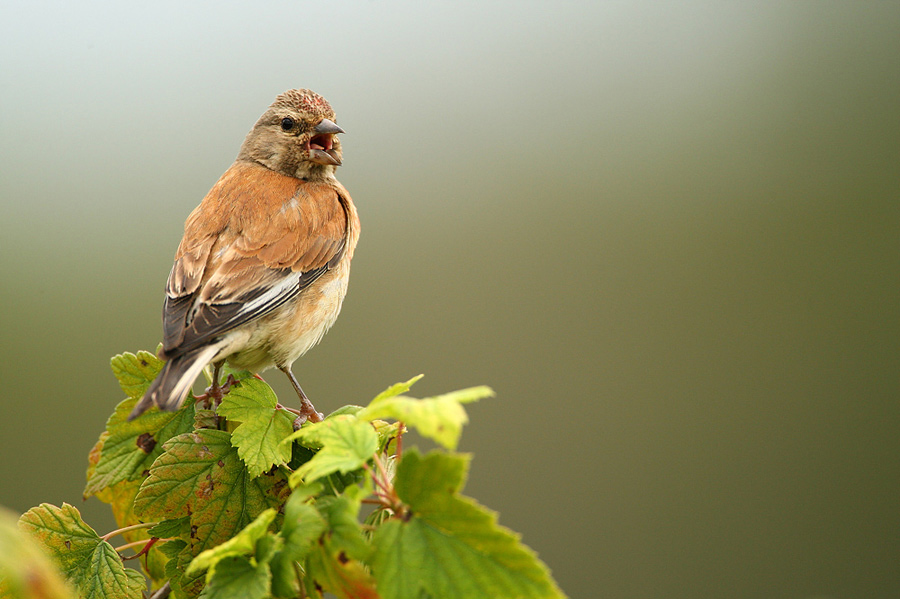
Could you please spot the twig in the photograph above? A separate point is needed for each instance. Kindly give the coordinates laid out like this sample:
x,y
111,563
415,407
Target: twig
x,y
119,531
383,471
378,482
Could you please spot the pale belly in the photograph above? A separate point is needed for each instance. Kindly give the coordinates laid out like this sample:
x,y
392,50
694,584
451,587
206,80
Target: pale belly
x,y
284,335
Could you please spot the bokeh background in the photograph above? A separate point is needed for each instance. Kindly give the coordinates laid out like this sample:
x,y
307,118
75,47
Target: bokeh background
x,y
666,234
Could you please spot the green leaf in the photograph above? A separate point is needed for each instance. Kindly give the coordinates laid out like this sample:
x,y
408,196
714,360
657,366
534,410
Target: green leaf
x,y
127,449
347,443
439,418
263,425
336,562
237,578
285,583
63,533
387,432
201,476
135,372
449,546
120,498
396,389
179,553
105,576
171,529
87,561
267,546
350,410
243,543
302,526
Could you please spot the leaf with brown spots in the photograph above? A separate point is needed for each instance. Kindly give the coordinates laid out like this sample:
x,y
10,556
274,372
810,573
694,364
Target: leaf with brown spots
x,y
87,561
120,498
127,448
200,475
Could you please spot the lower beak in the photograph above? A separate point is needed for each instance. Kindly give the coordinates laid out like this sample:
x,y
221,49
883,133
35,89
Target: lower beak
x,y
326,157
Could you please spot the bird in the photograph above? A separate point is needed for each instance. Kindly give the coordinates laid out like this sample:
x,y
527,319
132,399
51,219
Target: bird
x,y
262,269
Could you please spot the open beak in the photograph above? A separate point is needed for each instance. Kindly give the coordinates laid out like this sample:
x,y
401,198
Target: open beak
x,y
321,145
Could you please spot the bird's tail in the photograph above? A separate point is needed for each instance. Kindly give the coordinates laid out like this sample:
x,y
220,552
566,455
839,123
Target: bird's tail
x,y
171,385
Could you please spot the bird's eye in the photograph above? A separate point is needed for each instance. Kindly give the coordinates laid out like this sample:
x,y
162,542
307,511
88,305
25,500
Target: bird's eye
x,y
287,124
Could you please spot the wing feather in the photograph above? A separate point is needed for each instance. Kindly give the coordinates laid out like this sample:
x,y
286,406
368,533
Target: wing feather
x,y
255,242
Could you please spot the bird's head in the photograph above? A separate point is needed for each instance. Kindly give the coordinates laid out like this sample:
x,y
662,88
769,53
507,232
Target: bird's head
x,y
296,136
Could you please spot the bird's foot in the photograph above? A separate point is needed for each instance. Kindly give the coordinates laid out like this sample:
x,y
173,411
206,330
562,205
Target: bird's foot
x,y
310,414
215,392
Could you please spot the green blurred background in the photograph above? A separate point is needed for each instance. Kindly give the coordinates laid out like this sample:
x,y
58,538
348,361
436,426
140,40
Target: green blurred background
x,y
666,234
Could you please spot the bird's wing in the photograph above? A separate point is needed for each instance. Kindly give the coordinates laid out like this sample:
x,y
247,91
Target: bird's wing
x,y
256,241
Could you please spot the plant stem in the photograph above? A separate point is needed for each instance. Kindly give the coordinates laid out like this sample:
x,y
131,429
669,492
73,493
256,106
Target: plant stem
x,y
121,548
384,474
119,531
378,482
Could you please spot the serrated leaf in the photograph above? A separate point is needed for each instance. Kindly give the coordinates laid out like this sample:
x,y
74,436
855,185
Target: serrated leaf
x,y
449,546
105,576
336,562
396,389
346,444
62,532
263,425
201,476
439,418
87,561
237,578
127,449
120,498
135,371
243,543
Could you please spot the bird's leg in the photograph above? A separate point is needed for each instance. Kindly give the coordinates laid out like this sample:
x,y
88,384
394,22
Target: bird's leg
x,y
215,392
307,410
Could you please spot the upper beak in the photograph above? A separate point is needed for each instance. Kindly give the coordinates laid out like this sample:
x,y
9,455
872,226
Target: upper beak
x,y
326,126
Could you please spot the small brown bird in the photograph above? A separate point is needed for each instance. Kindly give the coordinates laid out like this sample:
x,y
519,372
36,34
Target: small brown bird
x,y
262,270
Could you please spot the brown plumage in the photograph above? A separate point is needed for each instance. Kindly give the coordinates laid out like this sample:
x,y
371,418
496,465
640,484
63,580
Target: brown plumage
x,y
263,266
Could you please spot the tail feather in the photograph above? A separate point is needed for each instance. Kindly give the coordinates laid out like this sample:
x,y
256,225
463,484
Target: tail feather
x,y
171,386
